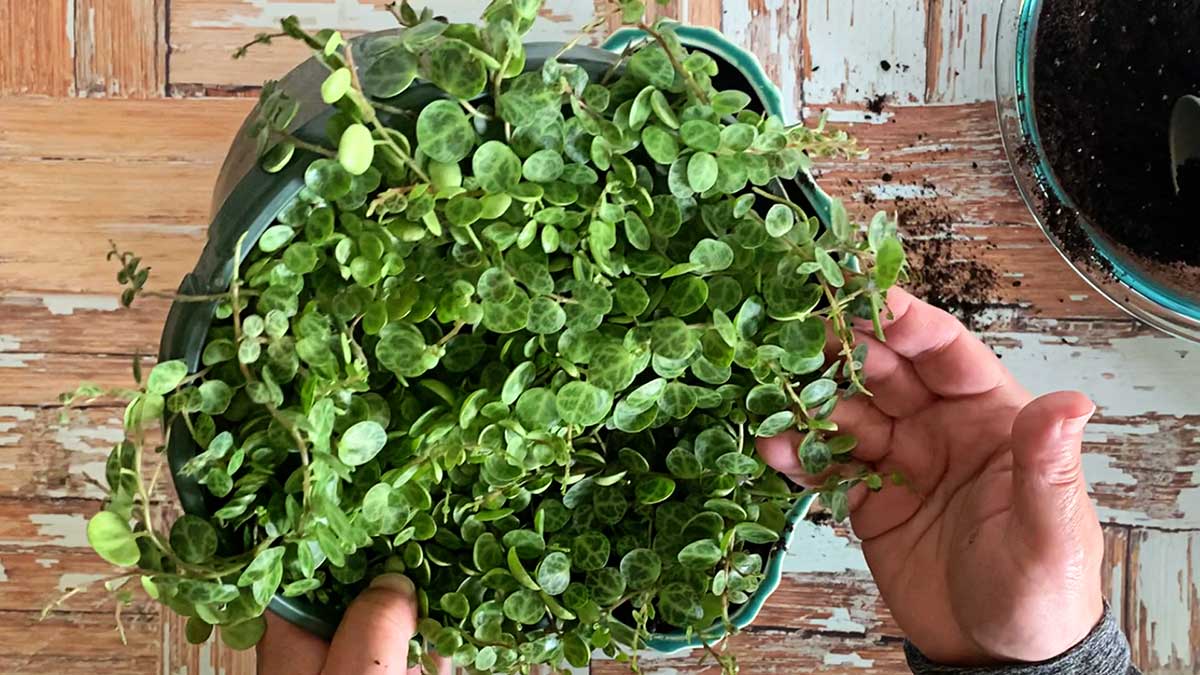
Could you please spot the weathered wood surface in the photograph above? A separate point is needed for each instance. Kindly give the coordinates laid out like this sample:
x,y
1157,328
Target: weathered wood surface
x,y
78,172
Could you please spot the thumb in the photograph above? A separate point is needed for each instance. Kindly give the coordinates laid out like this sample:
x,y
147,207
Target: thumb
x,y
373,636
1050,493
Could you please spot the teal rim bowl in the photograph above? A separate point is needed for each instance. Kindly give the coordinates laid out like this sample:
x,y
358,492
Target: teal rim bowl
x,y
246,201
1138,286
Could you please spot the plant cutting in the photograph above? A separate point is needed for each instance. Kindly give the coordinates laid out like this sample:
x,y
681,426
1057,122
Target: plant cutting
x,y
514,342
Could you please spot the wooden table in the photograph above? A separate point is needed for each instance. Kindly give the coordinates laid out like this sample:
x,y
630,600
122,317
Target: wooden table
x,y
114,119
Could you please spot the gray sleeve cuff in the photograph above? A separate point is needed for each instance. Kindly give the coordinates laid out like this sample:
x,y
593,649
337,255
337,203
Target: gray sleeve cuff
x,y
1103,652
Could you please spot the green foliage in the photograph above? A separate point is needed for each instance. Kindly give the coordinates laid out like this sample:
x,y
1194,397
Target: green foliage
x,y
516,346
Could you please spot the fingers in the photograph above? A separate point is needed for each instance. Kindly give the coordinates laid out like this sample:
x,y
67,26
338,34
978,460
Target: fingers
x,y
895,387
289,648
1051,502
948,359
373,636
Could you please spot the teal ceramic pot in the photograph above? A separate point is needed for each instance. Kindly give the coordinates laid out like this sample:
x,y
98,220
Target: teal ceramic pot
x,y
1143,288
246,201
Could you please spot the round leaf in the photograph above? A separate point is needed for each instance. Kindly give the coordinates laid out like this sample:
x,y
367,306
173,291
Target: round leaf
x,y
444,133
496,166
109,535
361,442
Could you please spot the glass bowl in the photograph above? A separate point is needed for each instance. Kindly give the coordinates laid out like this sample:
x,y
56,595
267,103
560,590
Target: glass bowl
x,y
1147,290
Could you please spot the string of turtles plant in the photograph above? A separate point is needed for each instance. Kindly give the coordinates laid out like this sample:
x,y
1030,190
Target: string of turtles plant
x,y
516,345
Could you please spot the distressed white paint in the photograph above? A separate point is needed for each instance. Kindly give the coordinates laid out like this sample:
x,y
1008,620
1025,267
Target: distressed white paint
x,y
1101,471
89,447
1168,585
849,116
354,15
19,360
11,418
74,580
818,548
3,572
772,32
840,621
46,563
61,529
848,40
852,660
66,304
966,71
9,343
1127,377
894,191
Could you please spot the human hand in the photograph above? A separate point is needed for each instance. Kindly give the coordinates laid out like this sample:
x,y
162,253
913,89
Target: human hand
x,y
992,552
371,640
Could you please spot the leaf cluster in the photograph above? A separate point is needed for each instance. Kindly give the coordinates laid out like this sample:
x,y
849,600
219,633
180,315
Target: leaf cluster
x,y
517,348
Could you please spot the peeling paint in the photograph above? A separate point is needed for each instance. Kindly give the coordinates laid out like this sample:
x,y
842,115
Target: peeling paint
x,y
1099,469
1126,377
849,116
19,360
1167,587
46,563
895,191
818,548
61,529
74,580
357,16
9,343
66,304
839,621
852,659
3,572
86,459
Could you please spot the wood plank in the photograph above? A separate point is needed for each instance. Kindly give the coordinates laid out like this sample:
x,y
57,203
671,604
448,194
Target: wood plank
x,y
37,37
81,323
37,378
35,579
78,644
944,168
204,33
120,47
1164,601
704,13
961,56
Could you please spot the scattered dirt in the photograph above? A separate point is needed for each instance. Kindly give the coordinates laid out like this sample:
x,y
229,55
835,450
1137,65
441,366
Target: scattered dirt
x,y
1106,76
945,271
877,103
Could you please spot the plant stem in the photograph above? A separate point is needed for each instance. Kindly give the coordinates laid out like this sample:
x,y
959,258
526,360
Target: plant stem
x,y
701,95
348,57
302,144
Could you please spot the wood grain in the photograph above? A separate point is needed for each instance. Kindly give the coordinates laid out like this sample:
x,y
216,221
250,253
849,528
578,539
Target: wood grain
x,y
1164,601
120,48
81,643
211,657
36,47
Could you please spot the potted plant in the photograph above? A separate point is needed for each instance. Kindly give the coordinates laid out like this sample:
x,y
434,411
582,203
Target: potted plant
x,y
506,318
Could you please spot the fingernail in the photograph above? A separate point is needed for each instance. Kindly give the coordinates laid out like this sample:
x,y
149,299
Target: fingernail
x,y
1075,425
397,583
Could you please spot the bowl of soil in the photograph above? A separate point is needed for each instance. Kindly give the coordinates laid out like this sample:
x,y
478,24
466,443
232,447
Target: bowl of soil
x,y
1085,91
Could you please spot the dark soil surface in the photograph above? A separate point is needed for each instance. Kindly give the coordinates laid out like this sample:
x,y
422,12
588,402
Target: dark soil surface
x,y
1107,75
1189,182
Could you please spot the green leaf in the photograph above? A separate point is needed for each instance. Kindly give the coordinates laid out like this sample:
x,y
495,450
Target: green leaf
x,y
356,150
361,442
390,73
496,166
755,533
590,551
701,135
680,605
444,133
673,339
737,464
889,261
329,180
654,489
641,568
546,316
193,539
583,404
729,102
554,573
701,554
711,256
652,66
776,424
335,85
197,631
455,69
244,635
660,144
543,166
525,607
165,377
780,220
109,535
517,381
817,392
829,268
702,172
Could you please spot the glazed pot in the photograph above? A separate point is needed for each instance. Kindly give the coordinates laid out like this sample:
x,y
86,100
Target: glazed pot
x,y
246,201
1145,289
